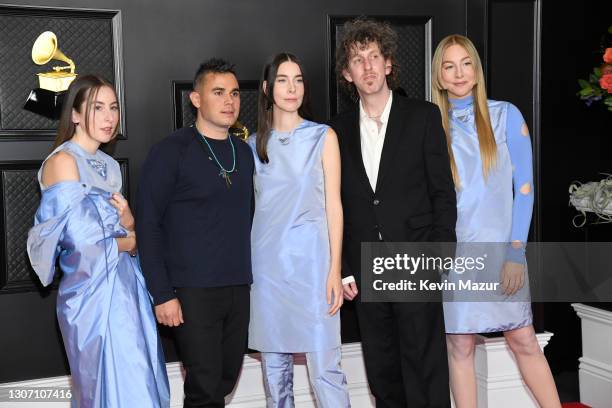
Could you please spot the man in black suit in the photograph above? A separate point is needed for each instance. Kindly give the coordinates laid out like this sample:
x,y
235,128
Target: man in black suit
x,y
396,187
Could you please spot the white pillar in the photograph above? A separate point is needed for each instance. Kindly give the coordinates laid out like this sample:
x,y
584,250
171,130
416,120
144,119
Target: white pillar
x,y
595,369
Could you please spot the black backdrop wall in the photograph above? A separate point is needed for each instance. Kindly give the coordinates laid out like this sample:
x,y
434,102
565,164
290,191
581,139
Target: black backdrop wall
x,y
165,41
576,144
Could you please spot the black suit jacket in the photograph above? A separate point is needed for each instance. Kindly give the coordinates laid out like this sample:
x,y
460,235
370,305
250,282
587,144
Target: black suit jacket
x,y
414,199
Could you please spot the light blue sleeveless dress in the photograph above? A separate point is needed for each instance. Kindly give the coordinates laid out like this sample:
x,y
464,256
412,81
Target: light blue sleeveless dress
x,y
290,246
103,307
485,215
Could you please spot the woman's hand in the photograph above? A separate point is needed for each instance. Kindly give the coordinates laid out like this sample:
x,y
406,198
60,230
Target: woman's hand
x,y
126,219
335,291
512,277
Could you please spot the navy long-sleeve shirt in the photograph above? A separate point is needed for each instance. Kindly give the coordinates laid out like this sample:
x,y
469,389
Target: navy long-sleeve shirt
x,y
192,230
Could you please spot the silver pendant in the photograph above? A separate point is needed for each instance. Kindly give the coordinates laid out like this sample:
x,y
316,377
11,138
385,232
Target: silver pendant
x,y
284,140
226,176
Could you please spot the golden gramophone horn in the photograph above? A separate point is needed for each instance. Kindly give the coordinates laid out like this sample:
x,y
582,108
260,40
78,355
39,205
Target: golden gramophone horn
x,y
239,130
45,49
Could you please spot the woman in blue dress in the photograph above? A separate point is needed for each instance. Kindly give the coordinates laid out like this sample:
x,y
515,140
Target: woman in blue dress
x,y
103,307
490,152
296,241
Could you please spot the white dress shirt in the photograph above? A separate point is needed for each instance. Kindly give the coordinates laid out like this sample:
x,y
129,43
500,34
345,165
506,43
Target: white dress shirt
x,y
373,139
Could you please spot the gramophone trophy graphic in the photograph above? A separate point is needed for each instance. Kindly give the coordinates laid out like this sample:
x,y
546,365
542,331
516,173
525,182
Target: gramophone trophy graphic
x,y
239,130
46,100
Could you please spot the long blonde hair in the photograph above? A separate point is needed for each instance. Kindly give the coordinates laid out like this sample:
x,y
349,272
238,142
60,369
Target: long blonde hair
x,y
486,138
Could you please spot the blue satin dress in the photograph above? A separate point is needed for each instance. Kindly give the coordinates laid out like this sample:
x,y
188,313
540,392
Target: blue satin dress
x,y
103,307
489,214
290,246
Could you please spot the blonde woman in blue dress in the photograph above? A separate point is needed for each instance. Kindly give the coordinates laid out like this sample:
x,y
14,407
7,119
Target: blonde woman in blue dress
x,y
490,152
296,241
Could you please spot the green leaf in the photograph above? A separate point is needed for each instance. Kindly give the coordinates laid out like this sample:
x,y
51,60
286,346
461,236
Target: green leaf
x,y
597,72
593,79
583,83
586,91
610,29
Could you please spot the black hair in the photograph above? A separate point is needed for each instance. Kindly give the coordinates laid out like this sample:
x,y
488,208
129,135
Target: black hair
x,y
213,65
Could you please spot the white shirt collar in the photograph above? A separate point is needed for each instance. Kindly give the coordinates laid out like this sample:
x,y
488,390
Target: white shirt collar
x,y
384,117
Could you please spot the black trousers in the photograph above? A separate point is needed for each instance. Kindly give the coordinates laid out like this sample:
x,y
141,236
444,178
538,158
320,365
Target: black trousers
x,y
212,341
404,348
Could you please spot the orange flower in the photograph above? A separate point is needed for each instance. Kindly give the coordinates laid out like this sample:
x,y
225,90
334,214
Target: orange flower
x,y
606,82
608,55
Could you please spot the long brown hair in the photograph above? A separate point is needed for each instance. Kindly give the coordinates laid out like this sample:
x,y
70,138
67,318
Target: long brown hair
x,y
82,90
266,102
486,138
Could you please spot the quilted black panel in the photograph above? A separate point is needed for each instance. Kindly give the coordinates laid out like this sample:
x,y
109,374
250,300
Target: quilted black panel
x,y
411,59
185,112
20,200
87,41
412,40
20,196
248,106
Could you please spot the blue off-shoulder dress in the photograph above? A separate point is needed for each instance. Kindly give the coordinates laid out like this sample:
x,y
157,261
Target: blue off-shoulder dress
x,y
103,307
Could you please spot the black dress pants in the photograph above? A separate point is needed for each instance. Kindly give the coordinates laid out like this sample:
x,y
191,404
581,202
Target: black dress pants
x,y
212,341
404,348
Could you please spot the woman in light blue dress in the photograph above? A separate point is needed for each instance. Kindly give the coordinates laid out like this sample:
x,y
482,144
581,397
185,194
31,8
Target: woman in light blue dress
x,y
103,307
296,241
490,153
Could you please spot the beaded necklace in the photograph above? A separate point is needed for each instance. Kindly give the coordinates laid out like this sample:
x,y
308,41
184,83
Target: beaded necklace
x,y
223,173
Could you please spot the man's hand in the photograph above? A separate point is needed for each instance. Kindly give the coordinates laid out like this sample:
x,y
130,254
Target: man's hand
x,y
169,313
350,290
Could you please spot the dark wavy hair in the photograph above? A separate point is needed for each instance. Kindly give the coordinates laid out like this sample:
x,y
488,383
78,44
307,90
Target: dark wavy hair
x,y
359,33
83,90
266,101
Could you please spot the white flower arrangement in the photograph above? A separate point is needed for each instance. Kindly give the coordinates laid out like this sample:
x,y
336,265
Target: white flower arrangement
x,y
595,197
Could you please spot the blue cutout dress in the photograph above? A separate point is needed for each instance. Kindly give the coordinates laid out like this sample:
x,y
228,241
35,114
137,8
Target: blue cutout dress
x,y
103,307
488,212
290,246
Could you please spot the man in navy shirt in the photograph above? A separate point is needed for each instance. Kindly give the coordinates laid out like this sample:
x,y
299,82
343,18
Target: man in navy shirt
x,y
193,228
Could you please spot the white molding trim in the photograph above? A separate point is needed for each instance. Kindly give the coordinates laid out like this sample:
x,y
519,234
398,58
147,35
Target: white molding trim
x,y
249,392
498,379
595,368
497,376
